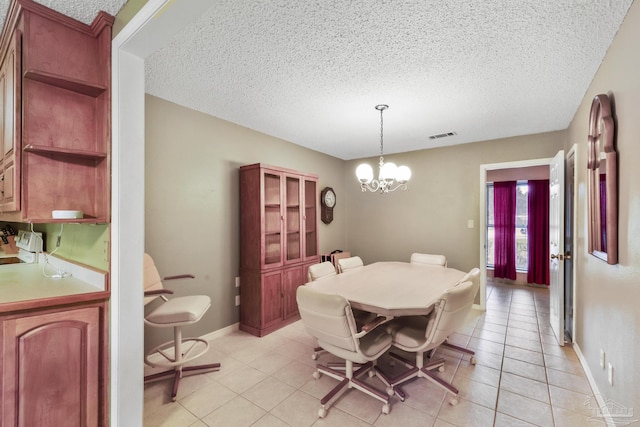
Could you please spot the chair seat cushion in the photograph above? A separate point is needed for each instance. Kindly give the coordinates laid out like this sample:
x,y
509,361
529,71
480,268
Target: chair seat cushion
x,y
186,310
409,331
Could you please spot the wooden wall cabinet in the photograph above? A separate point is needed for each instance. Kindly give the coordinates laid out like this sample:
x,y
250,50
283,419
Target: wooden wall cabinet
x,y
278,242
56,130
52,367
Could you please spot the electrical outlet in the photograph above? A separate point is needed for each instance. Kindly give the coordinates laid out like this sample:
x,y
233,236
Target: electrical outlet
x,y
602,359
237,282
610,374
237,300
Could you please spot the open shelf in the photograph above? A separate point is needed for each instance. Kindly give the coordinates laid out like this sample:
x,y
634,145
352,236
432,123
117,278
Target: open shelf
x,y
43,149
75,85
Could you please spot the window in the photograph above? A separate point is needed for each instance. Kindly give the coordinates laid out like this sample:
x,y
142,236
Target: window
x,y
522,245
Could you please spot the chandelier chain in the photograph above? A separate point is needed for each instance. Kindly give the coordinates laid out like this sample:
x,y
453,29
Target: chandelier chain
x,y
381,131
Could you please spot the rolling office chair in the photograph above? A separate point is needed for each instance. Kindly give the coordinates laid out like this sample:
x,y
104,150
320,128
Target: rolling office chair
x,y
315,272
330,320
327,269
176,313
419,335
472,276
318,271
432,259
346,264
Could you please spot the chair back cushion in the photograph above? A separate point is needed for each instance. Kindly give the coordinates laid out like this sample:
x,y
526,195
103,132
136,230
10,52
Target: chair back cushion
x,y
432,259
327,317
472,276
345,264
152,280
323,269
451,312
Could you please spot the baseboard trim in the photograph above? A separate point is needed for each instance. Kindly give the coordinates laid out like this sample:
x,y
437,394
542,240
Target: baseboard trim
x,y
602,404
221,332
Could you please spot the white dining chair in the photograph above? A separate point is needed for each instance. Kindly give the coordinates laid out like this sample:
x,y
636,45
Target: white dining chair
x,y
431,259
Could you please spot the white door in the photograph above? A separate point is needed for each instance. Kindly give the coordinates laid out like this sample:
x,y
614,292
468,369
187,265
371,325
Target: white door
x,y
556,245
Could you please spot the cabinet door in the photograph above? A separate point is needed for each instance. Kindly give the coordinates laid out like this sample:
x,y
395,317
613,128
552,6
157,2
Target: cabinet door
x,y
10,122
271,299
293,219
310,243
51,369
272,246
292,278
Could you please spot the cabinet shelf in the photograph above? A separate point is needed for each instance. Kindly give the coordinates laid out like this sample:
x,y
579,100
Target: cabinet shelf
x,y
75,85
44,149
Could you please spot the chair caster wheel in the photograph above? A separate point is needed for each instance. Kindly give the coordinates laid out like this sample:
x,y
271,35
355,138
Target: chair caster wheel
x,y
322,413
441,368
371,373
316,375
473,360
314,356
453,402
390,391
386,409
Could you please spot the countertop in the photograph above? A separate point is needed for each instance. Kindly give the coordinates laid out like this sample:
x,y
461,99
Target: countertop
x,y
24,286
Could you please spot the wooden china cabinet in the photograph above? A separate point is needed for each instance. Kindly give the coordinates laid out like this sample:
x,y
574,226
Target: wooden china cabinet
x,y
278,243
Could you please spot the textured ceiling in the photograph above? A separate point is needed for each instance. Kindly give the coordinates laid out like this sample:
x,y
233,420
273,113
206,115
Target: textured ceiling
x,y
311,72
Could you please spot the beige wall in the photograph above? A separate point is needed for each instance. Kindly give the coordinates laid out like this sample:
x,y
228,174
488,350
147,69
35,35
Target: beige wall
x,y
431,216
608,297
192,201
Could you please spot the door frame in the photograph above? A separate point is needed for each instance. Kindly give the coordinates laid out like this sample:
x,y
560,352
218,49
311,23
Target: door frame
x,y
573,152
483,216
150,28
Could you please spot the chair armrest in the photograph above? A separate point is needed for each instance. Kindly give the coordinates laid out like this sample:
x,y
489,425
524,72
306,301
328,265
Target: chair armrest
x,y
370,326
158,292
180,276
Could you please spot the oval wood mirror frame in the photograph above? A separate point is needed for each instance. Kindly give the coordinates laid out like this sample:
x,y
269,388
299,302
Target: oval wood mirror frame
x,y
602,182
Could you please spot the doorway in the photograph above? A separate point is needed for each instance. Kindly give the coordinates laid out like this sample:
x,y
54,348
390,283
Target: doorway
x,y
485,171
569,290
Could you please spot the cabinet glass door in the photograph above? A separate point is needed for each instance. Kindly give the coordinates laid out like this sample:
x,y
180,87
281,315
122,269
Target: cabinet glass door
x,y
310,223
293,219
272,220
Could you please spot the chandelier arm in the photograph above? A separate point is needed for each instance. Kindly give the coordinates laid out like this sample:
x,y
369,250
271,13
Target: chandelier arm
x,y
373,186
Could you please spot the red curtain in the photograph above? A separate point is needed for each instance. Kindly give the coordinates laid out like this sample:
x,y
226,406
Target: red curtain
x,y
504,220
538,232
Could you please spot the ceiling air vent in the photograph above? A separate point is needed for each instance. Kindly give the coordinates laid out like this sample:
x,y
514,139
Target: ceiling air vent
x,y
442,135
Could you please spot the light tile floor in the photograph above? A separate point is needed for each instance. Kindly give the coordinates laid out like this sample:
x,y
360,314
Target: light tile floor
x,y
522,378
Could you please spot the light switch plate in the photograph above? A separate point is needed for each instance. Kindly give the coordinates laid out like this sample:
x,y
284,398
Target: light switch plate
x,y
610,374
602,358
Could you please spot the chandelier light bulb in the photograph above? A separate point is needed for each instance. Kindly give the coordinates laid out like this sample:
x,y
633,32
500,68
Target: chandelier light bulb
x,y
403,174
364,172
388,172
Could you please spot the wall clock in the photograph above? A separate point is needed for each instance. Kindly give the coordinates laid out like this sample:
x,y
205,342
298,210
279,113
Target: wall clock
x,y
327,203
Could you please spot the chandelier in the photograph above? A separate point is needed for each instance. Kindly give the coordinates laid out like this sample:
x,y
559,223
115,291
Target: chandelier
x,y
390,176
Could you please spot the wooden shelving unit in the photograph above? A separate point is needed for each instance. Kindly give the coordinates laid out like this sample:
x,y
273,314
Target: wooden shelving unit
x,y
61,130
